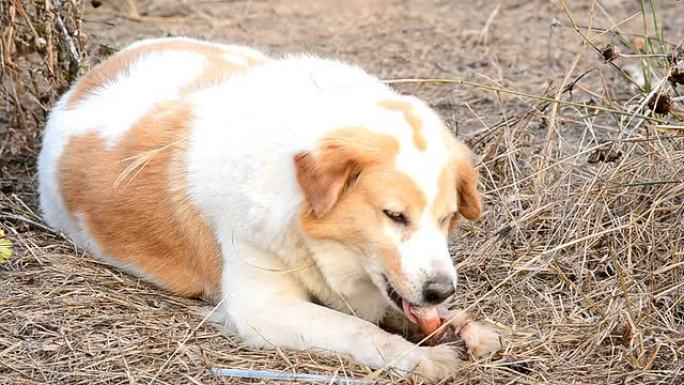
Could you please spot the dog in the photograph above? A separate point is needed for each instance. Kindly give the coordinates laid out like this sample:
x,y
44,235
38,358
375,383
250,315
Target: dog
x,y
303,195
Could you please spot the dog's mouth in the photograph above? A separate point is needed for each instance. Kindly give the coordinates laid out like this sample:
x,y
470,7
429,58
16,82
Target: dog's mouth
x,y
412,312
392,293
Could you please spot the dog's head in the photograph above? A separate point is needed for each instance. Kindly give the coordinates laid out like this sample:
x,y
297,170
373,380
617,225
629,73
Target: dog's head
x,y
391,195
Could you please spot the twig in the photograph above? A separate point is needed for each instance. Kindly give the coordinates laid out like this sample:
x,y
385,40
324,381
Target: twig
x,y
522,94
592,45
28,221
71,46
185,340
287,376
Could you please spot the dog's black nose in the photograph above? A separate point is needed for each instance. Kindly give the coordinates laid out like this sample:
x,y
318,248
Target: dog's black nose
x,y
436,291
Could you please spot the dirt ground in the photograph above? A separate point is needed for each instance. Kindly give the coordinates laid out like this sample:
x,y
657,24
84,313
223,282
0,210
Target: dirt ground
x,y
586,281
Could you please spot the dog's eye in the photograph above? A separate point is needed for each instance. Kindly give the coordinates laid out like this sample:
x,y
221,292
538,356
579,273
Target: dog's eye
x,y
396,217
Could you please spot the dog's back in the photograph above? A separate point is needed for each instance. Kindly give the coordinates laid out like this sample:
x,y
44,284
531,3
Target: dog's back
x,y
111,172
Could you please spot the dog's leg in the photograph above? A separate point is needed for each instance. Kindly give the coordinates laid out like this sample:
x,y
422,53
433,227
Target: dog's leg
x,y
268,307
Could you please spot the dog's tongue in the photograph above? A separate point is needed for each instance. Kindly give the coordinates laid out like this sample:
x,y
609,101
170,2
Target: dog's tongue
x,y
419,315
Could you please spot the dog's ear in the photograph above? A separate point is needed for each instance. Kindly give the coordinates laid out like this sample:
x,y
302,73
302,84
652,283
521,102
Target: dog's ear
x,y
324,176
469,200
325,173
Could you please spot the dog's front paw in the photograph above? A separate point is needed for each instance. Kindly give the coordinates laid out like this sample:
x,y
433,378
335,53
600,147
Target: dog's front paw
x,y
432,363
480,339
457,318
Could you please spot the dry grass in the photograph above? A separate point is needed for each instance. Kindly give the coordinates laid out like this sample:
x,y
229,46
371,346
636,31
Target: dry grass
x,y
40,52
579,256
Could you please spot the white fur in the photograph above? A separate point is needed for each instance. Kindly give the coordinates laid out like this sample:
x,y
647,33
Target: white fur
x,y
245,134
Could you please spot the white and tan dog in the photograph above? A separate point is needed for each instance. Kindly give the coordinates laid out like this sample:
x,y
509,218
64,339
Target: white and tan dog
x,y
303,194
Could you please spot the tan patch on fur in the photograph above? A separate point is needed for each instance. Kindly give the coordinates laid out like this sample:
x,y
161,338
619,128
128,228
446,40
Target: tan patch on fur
x,y
147,221
391,259
217,68
353,174
342,154
457,188
412,119
446,201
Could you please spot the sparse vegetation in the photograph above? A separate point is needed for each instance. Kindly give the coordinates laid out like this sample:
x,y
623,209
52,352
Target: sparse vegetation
x,y
575,109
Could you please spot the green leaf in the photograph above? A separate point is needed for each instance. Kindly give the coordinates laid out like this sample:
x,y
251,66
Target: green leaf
x,y
5,248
